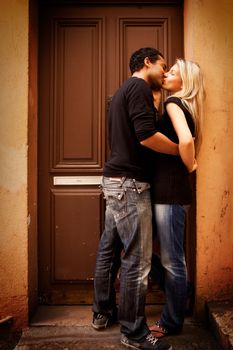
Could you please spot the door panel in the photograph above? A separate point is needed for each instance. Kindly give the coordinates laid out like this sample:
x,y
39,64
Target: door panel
x,y
84,55
70,211
136,33
77,123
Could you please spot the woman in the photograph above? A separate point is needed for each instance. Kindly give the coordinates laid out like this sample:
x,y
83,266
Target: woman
x,y
171,190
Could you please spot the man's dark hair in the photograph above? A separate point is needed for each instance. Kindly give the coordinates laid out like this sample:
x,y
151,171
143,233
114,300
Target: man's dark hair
x,y
137,59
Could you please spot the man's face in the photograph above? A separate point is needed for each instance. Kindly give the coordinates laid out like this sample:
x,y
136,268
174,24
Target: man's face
x,y
155,73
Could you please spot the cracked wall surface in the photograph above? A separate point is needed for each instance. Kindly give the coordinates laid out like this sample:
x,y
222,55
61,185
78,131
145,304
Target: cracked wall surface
x,y
208,40
13,159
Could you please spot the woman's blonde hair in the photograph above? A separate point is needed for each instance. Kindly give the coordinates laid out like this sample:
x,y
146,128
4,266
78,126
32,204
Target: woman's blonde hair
x,y
192,93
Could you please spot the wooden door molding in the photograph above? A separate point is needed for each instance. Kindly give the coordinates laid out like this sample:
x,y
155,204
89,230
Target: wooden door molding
x,y
33,157
112,2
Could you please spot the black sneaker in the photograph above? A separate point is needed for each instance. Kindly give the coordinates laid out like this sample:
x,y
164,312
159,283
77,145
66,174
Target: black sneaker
x,y
147,343
103,321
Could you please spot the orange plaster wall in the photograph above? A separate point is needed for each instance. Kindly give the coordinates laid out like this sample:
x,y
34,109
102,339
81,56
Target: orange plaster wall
x,y
208,40
13,160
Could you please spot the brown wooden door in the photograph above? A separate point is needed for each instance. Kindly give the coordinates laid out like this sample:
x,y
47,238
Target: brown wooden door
x,y
84,54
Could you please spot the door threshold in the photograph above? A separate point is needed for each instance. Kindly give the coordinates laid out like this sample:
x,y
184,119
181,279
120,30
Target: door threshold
x,y
62,315
75,315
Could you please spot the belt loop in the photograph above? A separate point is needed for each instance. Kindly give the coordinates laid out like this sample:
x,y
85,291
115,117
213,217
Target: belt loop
x,y
123,180
138,188
135,184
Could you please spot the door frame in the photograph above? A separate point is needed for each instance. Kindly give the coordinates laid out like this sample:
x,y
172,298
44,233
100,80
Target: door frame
x,y
33,99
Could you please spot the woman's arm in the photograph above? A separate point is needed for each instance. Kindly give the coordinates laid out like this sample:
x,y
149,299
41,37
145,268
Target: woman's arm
x,y
186,142
159,142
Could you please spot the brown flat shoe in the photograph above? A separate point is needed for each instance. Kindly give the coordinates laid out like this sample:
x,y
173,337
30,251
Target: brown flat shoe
x,y
157,330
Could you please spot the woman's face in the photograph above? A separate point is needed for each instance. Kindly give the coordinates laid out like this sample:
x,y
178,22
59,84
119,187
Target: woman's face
x,y
172,79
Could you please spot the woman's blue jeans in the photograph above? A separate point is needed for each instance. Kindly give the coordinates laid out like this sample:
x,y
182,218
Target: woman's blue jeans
x,y
170,229
126,242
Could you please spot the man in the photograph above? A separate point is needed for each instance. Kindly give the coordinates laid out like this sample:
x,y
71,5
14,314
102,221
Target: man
x,y
128,218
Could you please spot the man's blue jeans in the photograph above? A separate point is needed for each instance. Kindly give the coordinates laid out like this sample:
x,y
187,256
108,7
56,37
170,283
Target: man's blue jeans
x,y
170,228
126,242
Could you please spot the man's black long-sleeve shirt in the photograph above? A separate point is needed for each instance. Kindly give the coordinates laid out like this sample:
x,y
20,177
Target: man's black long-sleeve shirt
x,y
132,119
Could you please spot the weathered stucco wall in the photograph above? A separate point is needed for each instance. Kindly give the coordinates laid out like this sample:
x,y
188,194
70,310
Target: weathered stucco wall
x,y
13,159
208,40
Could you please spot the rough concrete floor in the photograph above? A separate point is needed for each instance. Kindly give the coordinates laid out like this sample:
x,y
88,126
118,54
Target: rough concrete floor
x,y
72,331
84,338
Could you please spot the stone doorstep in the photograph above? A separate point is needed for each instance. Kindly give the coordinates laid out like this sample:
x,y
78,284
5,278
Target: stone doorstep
x,y
6,320
221,322
68,328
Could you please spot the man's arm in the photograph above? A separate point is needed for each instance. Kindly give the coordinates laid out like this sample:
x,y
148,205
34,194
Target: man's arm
x,y
162,144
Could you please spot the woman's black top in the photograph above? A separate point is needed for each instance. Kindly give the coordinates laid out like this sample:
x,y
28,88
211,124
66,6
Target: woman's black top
x,y
171,180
